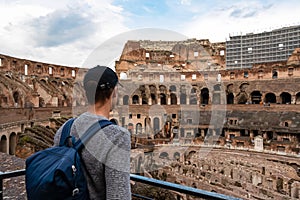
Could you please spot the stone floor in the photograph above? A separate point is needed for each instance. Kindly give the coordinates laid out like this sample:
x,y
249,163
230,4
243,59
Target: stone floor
x,y
13,188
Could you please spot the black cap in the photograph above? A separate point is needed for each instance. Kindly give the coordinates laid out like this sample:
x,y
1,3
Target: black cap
x,y
103,76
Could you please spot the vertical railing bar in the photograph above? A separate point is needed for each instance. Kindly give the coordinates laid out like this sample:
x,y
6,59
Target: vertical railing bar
x,y
1,186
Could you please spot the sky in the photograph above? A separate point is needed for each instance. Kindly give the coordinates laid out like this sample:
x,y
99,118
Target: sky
x,y
66,32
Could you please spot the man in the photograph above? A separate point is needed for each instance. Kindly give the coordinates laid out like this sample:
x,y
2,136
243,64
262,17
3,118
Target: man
x,y
107,155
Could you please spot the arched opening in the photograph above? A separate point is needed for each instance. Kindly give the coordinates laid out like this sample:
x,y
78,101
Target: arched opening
x,y
125,100
3,144
193,96
173,99
163,99
176,156
183,98
190,155
204,96
286,98
172,88
256,97
54,83
130,128
152,89
216,98
147,124
164,155
12,143
113,120
156,125
138,128
193,90
274,74
270,98
230,98
217,88
135,99
16,97
144,99
297,98
153,98
193,99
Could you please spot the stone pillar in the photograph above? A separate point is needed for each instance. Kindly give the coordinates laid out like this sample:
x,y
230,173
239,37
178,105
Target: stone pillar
x,y
168,99
293,99
158,99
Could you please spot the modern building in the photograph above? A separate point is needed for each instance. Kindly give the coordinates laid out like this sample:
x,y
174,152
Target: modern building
x,y
242,51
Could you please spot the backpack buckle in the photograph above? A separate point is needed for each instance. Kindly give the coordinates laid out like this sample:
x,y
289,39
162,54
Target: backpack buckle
x,y
75,191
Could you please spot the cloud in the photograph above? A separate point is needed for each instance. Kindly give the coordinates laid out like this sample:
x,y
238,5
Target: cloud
x,y
248,10
62,33
242,17
61,27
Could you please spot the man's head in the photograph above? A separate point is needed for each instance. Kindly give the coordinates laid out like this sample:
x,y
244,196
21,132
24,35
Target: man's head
x,y
99,83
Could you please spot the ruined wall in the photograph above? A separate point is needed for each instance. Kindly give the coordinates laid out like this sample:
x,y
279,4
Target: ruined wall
x,y
26,83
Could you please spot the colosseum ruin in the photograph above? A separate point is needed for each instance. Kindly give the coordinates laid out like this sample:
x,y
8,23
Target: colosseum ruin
x,y
192,120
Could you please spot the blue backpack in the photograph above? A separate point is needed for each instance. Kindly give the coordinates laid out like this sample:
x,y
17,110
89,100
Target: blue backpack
x,y
56,172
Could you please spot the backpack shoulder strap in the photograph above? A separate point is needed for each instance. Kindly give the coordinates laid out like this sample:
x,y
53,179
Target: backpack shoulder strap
x,y
92,130
65,134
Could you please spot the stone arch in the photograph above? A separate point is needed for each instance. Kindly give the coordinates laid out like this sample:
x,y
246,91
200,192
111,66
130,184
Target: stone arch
x,y
125,100
270,98
256,97
163,99
12,143
147,124
173,99
175,132
204,96
217,87
297,101
243,87
135,99
193,96
153,89
176,155
3,144
54,82
230,98
144,94
138,128
194,90
114,120
274,74
130,128
156,125
43,81
17,98
190,155
183,98
286,98
172,88
164,155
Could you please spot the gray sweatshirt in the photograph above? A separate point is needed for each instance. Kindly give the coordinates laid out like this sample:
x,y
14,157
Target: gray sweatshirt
x,y
106,157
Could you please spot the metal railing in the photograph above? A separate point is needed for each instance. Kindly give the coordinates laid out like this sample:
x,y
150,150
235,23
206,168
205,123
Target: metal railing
x,y
149,181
